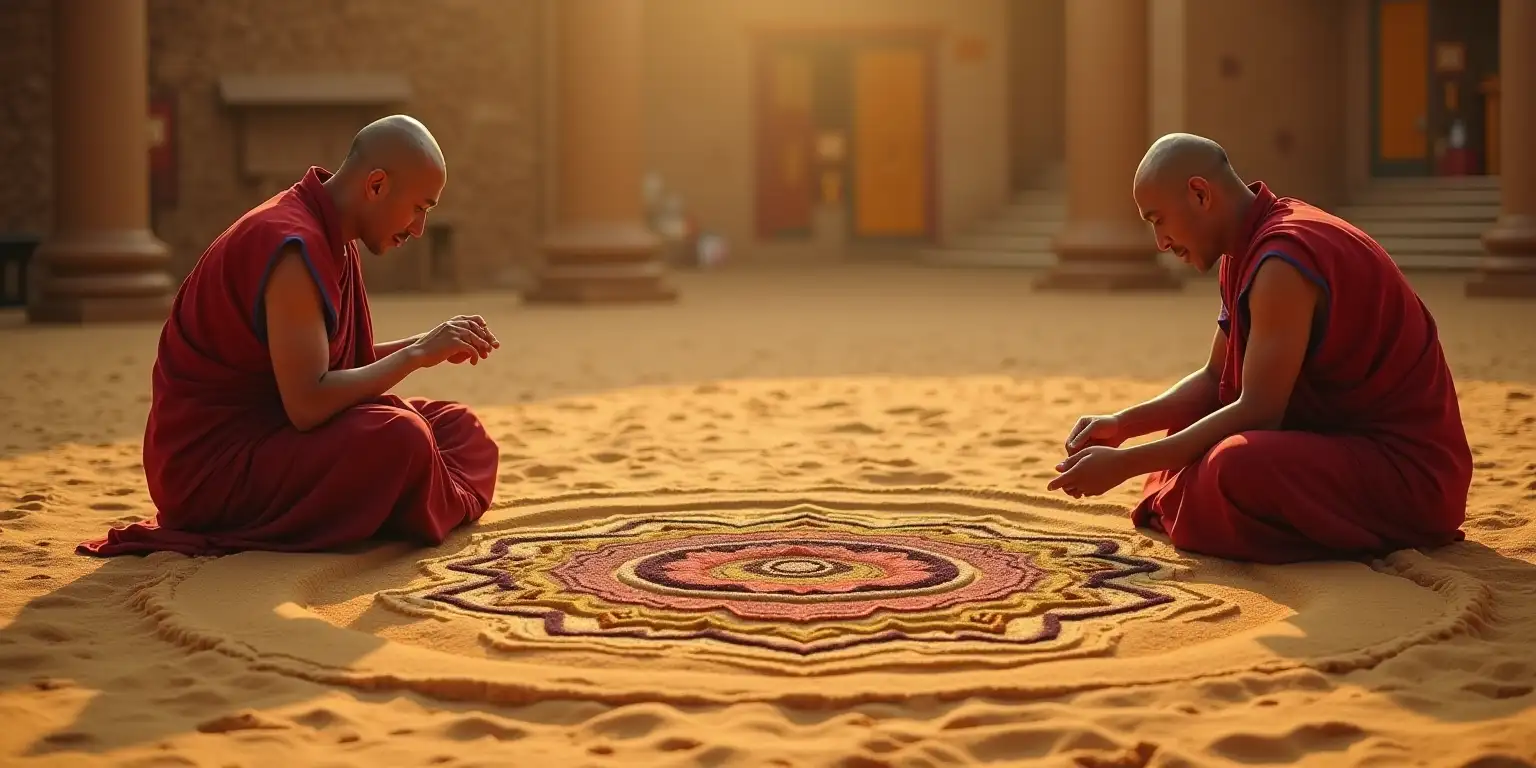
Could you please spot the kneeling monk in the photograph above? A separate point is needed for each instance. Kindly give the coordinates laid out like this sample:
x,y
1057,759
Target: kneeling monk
x,y
270,426
1325,423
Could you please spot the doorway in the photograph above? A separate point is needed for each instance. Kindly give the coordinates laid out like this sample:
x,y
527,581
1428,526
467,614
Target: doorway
x,y
1431,65
845,124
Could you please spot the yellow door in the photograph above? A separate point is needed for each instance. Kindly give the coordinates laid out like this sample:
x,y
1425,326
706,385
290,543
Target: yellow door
x,y
1403,72
891,142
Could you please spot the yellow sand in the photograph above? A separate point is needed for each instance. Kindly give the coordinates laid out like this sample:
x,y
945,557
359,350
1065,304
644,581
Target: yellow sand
x,y
887,390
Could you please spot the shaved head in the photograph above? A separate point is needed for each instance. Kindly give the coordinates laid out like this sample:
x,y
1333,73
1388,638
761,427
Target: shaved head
x,y
1177,157
1186,188
392,177
393,141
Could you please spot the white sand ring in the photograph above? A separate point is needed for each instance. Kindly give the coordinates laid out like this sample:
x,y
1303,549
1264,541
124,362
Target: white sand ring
x,y
1417,601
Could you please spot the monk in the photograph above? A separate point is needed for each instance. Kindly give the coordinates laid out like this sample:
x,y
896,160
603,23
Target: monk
x,y
271,426
1324,424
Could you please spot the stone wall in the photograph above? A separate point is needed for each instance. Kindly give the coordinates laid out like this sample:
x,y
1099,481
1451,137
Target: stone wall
x,y
474,69
26,140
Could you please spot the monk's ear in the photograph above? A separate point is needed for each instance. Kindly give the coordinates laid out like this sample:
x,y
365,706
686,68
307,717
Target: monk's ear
x,y
1200,192
377,184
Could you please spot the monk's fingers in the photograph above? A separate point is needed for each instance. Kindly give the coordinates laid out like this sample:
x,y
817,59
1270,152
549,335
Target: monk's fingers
x,y
465,331
1078,433
1069,462
468,350
477,324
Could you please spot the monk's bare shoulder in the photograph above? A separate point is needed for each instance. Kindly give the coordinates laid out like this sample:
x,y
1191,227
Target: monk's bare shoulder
x,y
295,324
1281,304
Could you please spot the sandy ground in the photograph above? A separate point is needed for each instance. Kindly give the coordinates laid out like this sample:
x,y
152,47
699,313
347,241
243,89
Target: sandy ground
x,y
872,379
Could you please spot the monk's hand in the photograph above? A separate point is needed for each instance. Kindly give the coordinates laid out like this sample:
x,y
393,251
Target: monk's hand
x,y
481,329
1095,430
454,340
1092,471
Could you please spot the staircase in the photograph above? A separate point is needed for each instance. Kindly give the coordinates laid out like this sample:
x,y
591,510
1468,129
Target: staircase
x,y
1427,223
1018,235
1433,223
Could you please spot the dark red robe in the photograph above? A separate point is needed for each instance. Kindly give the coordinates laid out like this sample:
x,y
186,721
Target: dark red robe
x,y
228,471
1372,455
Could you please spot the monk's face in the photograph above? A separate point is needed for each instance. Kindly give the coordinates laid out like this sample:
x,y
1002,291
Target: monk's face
x,y
1182,219
396,204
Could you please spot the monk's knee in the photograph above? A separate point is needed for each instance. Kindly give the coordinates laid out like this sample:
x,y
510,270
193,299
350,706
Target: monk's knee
x,y
1241,465
402,435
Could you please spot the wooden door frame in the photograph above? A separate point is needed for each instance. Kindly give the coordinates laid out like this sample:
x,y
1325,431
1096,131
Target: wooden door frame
x,y
765,39
1394,168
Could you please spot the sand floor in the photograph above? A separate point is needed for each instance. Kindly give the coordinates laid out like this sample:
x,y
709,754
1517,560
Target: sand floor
x,y
873,385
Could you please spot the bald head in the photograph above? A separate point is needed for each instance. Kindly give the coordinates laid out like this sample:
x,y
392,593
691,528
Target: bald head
x,y
1178,157
395,173
1186,188
395,141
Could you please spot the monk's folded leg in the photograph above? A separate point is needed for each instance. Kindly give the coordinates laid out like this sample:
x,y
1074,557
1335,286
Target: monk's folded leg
x,y
1277,497
373,470
469,452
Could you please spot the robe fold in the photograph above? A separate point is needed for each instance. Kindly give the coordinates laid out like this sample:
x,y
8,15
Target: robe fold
x,y
1372,455
228,471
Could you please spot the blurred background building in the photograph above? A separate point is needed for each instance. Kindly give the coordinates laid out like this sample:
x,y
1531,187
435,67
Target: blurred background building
x,y
964,133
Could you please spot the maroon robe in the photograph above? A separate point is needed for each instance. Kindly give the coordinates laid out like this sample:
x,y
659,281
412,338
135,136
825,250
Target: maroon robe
x,y
229,472
1371,456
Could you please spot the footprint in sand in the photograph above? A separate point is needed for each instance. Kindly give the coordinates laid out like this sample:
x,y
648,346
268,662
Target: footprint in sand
x,y
830,405
856,428
111,506
609,457
908,478
546,471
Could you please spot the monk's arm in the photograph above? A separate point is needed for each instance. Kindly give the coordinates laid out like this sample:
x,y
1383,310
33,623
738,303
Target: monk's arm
x,y
1281,303
300,349
390,347
1194,397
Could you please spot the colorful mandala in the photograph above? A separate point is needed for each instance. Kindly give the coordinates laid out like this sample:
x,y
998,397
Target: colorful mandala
x,y
805,580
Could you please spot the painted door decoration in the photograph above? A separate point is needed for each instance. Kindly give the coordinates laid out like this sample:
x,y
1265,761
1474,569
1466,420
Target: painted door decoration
x,y
891,142
1402,87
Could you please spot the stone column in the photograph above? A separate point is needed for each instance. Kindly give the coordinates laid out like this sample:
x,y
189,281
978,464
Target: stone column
x,y
601,249
101,263
1509,269
1104,245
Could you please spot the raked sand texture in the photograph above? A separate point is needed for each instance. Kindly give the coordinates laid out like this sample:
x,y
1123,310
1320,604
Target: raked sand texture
x,y
794,520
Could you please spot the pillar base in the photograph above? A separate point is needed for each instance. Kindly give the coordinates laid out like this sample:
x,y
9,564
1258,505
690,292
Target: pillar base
x,y
1509,269
87,310
101,277
1109,256
602,264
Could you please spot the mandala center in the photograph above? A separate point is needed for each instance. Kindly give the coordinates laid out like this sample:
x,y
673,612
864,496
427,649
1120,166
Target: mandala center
x,y
804,580
824,570
797,568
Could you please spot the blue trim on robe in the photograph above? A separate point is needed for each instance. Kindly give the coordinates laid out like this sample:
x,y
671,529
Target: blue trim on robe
x,y
259,312
1319,321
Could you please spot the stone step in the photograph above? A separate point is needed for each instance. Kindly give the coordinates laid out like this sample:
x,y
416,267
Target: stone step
x,y
1435,182
1437,262
1053,197
1004,242
1361,214
1432,246
1035,211
1420,228
1017,226
1406,196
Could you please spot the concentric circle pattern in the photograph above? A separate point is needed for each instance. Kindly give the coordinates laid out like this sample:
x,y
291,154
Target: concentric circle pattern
x,y
804,579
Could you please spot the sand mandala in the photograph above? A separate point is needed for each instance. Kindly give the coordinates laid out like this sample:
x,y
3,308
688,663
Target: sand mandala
x,y
803,580
820,597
